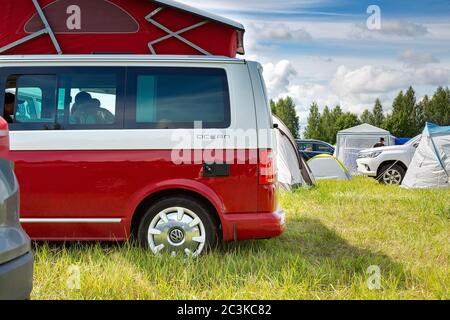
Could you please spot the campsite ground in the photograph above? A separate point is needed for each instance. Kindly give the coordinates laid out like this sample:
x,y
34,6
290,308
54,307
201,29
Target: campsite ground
x,y
335,232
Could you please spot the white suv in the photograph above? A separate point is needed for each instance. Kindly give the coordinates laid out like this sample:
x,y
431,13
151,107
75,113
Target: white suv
x,y
387,164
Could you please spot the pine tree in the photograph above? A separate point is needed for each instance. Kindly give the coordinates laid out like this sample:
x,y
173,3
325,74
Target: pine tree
x,y
437,110
326,127
347,120
273,107
378,114
366,117
285,110
419,114
403,122
335,113
313,123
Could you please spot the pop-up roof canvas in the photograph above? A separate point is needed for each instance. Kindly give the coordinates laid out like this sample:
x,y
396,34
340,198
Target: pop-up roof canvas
x,y
115,26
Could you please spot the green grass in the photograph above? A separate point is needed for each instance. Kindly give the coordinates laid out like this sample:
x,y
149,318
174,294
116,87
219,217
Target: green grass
x,y
335,231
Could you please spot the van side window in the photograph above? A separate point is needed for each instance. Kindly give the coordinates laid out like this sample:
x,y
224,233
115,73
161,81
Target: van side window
x,y
177,97
87,98
30,99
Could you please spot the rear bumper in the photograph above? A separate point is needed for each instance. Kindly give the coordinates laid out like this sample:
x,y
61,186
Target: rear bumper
x,y
246,226
16,278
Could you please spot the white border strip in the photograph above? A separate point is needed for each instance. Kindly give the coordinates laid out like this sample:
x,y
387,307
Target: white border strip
x,y
71,220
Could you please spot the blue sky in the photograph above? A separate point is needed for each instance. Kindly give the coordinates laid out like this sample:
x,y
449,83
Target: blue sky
x,y
323,51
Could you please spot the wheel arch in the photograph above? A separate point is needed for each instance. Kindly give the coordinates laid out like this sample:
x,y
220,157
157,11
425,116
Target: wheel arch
x,y
153,197
389,163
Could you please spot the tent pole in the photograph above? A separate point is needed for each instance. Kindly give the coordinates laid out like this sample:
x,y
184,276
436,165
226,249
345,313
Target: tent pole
x,y
178,32
47,26
47,29
171,33
25,39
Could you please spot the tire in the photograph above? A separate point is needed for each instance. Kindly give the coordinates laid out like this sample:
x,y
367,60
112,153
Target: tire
x,y
178,225
391,174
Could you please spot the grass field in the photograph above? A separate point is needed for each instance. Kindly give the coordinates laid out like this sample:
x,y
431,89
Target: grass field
x,y
335,232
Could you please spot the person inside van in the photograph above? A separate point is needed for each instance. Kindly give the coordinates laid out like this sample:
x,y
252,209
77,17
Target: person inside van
x,y
103,116
87,110
84,109
81,99
379,144
8,113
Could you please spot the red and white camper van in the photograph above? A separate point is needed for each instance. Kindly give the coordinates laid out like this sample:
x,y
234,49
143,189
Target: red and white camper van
x,y
176,151
173,150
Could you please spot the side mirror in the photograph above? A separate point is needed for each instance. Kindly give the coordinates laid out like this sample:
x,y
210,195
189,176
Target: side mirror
x,y
4,138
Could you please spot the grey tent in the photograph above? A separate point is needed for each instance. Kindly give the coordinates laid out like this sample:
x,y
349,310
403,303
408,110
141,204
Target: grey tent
x,y
292,170
351,141
325,166
430,166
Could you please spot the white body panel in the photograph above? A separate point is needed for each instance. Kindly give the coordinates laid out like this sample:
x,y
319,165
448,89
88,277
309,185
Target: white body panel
x,y
400,154
250,127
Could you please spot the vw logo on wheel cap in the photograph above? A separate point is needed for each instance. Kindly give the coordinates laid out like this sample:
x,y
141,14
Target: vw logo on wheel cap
x,y
176,235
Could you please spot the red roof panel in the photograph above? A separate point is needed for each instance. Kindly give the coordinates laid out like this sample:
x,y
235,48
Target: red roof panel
x,y
114,26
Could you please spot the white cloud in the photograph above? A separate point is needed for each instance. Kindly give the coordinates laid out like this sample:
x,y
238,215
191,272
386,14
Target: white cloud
x,y
355,89
415,59
305,94
403,28
278,76
346,64
439,31
370,79
253,5
432,76
279,31
367,79
389,28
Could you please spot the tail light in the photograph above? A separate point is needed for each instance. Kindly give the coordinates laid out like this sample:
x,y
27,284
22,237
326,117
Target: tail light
x,y
266,164
4,138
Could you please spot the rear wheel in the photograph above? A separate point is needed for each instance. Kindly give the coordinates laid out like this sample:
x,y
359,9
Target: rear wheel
x,y
392,174
178,225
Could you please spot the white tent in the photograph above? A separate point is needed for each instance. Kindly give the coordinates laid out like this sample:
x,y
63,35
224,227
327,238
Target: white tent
x,y
328,167
350,142
292,170
430,166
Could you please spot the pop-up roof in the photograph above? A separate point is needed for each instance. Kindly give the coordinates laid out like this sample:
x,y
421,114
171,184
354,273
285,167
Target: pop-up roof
x,y
115,26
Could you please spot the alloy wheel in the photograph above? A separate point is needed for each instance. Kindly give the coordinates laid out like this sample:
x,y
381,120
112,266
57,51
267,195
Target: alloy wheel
x,y
392,176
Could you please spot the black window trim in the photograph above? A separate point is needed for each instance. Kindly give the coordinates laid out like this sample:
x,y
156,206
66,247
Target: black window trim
x,y
130,111
319,144
58,71
126,101
27,126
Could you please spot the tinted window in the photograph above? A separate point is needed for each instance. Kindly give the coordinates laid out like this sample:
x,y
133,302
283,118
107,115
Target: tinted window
x,y
30,99
306,146
323,148
177,97
86,99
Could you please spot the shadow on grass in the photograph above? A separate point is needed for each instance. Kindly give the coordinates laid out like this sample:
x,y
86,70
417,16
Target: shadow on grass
x,y
309,251
316,248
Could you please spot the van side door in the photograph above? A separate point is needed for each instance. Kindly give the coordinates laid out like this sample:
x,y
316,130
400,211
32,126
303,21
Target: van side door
x,y
62,125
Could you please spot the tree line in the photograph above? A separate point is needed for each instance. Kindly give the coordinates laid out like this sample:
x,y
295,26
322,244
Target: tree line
x,y
407,118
